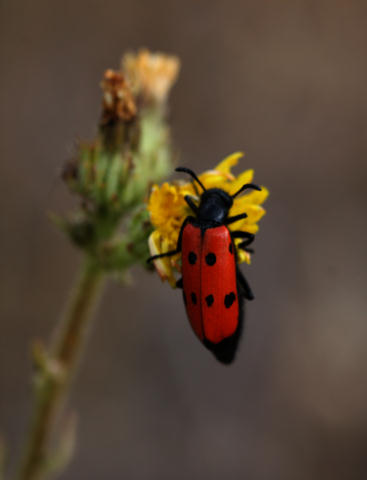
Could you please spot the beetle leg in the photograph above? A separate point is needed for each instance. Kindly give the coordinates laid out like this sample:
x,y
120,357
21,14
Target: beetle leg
x,y
230,220
178,248
247,292
179,283
161,255
191,204
250,237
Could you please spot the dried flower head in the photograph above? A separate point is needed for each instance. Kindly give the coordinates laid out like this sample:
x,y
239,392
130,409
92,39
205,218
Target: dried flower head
x,y
168,209
118,101
151,74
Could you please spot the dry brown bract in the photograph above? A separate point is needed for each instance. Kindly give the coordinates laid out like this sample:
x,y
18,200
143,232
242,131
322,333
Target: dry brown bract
x,y
118,101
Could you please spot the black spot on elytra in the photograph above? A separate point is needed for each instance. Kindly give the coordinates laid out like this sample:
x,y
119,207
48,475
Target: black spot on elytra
x,y
192,258
209,300
231,247
210,259
229,299
193,298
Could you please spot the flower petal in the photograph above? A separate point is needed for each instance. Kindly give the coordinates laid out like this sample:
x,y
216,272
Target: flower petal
x,y
225,165
214,179
242,179
254,214
161,264
256,197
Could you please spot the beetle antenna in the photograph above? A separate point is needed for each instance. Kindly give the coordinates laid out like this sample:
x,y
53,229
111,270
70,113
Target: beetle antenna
x,y
192,174
245,187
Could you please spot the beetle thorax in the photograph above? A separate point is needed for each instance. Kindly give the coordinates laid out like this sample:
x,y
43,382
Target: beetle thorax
x,y
214,205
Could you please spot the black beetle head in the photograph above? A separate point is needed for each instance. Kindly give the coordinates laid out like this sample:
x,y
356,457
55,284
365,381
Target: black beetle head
x,y
214,205
214,202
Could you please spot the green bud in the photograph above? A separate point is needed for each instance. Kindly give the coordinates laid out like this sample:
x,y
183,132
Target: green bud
x,y
112,175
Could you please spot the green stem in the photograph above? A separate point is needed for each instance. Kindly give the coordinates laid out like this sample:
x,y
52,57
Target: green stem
x,y
57,368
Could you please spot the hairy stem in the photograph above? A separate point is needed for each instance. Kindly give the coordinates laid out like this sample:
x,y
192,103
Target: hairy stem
x,y
57,367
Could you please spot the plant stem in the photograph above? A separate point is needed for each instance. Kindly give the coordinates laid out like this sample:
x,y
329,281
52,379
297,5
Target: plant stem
x,y
57,368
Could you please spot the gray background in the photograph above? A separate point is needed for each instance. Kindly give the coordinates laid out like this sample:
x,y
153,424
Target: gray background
x,y
286,82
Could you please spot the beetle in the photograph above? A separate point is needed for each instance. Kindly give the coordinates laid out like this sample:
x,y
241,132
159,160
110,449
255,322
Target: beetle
x,y
213,286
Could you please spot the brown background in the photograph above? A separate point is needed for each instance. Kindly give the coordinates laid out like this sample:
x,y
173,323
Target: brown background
x,y
286,82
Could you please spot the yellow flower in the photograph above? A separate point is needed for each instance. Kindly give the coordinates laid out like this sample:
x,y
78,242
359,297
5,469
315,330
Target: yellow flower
x,y
168,209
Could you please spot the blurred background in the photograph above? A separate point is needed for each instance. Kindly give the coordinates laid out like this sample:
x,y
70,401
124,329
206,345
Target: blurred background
x,y
285,81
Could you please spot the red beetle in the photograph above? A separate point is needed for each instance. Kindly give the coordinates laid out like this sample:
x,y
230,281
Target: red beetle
x,y
213,286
